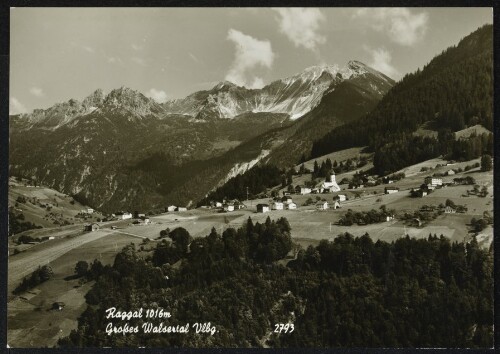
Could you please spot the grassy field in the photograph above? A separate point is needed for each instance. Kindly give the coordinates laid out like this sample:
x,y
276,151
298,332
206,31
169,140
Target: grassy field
x,y
31,322
63,208
465,133
341,155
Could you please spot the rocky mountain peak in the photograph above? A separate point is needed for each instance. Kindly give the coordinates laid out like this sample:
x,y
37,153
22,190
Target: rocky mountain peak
x,y
132,101
95,99
224,84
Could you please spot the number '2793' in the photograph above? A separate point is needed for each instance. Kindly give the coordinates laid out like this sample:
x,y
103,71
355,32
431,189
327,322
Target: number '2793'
x,y
284,328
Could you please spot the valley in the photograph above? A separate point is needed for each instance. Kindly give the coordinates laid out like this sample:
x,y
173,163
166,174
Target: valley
x,y
316,199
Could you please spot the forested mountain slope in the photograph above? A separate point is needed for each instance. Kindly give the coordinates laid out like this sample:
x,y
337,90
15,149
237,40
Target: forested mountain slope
x,y
452,92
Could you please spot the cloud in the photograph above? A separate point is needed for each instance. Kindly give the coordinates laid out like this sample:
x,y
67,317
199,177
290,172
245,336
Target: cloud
x,y
381,61
88,49
301,26
36,91
257,83
157,95
400,24
16,107
250,53
139,61
137,47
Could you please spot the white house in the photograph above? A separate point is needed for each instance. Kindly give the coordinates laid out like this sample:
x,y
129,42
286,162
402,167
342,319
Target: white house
x,y
228,207
450,173
390,190
341,197
389,217
171,208
262,208
302,190
124,216
330,184
322,205
291,206
286,199
449,210
238,205
336,205
433,181
92,227
181,209
277,206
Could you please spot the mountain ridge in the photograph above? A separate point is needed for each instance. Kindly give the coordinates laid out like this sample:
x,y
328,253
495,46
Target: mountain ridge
x,y
123,150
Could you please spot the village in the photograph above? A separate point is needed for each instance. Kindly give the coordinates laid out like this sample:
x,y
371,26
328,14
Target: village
x,y
413,202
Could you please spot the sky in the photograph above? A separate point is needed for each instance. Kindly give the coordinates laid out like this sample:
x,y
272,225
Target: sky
x,y
61,53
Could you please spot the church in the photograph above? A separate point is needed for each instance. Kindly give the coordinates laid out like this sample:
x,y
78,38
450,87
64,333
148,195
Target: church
x,y
330,184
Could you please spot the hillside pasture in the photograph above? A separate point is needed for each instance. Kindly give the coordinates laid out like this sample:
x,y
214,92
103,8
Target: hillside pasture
x,y
31,322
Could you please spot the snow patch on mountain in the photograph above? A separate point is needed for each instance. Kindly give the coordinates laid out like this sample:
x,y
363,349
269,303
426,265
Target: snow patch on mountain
x,y
241,168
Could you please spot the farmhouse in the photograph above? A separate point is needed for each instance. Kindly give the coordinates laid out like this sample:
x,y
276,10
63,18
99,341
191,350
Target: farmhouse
x,y
124,215
322,205
336,205
330,183
291,206
228,207
433,181
238,205
450,173
389,218
286,199
420,193
341,197
91,227
302,190
171,208
180,209
277,206
390,190
449,210
262,208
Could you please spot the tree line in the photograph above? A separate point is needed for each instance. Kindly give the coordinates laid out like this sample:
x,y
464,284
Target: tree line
x,y
351,292
454,91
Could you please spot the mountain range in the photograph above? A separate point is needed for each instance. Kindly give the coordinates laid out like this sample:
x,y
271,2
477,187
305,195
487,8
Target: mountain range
x,y
123,150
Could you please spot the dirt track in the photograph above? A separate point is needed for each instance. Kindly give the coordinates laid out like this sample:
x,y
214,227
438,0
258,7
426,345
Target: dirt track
x,y
24,263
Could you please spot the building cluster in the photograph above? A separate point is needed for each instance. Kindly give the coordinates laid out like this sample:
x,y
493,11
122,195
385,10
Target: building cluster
x,y
430,183
227,205
285,203
328,186
172,208
324,205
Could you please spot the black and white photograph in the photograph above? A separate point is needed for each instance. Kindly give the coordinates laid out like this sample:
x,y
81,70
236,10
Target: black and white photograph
x,y
250,177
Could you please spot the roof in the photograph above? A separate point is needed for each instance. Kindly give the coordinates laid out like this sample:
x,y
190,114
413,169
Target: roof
x,y
262,205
